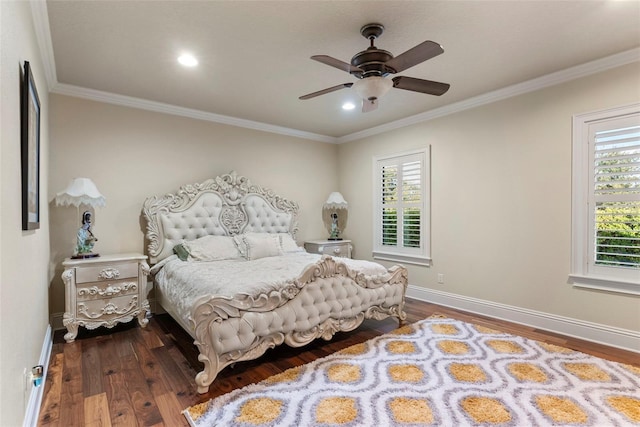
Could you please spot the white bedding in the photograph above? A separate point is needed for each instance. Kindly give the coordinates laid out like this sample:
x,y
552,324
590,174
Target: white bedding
x,y
183,282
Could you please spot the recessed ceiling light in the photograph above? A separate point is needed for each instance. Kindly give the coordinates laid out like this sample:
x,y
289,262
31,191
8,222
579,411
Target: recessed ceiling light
x,y
188,60
348,106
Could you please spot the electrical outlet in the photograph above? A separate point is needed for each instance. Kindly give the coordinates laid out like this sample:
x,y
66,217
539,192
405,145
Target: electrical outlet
x,y
440,278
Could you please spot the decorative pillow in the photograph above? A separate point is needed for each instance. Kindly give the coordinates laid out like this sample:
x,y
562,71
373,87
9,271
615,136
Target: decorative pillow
x,y
261,245
288,244
212,248
181,251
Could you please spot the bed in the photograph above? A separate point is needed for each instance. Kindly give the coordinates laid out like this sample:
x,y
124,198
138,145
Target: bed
x,y
227,268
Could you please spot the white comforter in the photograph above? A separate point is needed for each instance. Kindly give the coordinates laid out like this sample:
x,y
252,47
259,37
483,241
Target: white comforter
x,y
183,282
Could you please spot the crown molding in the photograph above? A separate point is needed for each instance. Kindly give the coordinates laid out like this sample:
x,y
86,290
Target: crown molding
x,y
159,107
43,35
593,67
40,16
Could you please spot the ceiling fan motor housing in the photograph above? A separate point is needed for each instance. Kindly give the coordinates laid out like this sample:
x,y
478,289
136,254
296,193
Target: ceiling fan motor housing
x,y
372,62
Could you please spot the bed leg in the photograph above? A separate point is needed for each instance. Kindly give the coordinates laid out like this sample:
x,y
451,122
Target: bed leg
x,y
205,377
203,381
402,317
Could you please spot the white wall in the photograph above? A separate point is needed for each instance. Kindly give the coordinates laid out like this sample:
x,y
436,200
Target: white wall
x,y
501,198
24,255
133,154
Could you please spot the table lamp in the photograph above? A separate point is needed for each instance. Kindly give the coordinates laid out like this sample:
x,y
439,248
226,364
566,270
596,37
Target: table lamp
x,y
82,191
334,215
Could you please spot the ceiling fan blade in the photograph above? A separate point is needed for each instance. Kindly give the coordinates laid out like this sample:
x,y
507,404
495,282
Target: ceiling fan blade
x,y
369,105
414,56
419,85
327,90
341,65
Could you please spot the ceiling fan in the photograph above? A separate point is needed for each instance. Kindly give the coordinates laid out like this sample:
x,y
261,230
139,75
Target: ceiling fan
x,y
371,66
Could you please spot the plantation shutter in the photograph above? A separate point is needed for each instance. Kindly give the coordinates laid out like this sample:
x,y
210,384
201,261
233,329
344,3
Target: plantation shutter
x,y
605,200
390,205
411,203
401,216
401,203
616,196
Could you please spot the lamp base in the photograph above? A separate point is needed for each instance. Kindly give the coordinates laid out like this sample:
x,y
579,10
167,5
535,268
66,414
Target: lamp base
x,y
87,255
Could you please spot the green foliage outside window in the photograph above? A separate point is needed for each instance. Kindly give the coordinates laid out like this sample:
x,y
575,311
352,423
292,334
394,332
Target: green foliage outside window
x,y
618,236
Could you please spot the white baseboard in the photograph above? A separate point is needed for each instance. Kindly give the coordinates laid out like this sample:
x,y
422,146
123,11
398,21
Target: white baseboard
x,y
35,397
608,335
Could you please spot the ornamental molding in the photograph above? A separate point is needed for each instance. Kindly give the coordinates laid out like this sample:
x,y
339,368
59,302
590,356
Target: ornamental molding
x,y
232,190
67,276
109,273
108,309
109,291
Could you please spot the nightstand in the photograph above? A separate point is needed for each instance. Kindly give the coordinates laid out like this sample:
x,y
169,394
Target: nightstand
x,y
104,291
339,248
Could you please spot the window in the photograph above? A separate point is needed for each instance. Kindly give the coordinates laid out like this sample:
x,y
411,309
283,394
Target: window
x,y
401,213
606,200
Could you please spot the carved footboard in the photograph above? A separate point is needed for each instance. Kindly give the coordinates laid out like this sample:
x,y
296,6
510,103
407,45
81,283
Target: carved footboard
x,y
327,297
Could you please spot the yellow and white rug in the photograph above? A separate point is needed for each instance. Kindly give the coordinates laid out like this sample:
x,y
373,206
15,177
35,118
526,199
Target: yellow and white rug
x,y
438,372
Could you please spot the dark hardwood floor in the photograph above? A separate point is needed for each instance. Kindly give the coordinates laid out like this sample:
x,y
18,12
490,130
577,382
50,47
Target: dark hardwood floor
x,y
129,376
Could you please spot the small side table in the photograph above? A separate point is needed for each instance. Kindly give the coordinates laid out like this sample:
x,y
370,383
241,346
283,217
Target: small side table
x,y
338,248
104,291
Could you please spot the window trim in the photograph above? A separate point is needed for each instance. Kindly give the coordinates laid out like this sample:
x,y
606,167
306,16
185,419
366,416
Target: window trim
x,y
583,274
416,257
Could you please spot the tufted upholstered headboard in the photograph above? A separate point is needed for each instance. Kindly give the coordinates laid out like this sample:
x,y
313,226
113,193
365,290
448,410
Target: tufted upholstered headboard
x,y
226,205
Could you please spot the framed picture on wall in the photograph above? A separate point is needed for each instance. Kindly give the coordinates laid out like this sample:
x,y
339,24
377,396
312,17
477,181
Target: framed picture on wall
x,y
30,151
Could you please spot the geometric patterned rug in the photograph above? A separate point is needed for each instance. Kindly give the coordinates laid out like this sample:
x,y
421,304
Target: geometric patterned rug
x,y
437,372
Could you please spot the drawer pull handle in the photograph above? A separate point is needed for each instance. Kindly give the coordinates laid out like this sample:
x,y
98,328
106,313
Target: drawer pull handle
x,y
336,250
109,291
109,274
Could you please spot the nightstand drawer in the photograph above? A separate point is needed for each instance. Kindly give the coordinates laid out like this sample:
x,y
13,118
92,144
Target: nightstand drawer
x,y
107,272
335,250
107,309
110,289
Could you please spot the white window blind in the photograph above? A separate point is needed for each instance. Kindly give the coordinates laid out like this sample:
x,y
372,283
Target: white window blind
x,y
401,214
606,200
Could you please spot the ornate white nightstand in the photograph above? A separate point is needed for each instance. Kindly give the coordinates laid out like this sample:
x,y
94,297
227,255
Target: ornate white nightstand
x,y
339,248
104,291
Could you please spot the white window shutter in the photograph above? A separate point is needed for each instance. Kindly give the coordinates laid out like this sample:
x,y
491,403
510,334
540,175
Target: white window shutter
x,y
401,215
606,200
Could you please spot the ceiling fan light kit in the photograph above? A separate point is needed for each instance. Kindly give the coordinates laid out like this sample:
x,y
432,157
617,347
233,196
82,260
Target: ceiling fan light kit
x,y
372,88
371,66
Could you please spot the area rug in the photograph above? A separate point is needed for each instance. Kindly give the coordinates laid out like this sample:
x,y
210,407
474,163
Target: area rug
x,y
437,372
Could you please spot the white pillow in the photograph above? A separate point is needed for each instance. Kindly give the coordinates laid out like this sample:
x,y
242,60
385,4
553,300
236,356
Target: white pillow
x,y
212,248
288,244
261,245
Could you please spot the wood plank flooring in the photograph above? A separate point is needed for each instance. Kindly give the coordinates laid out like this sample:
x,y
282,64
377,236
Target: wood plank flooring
x,y
129,376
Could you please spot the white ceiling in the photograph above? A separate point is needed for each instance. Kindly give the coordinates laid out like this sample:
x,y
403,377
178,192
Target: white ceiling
x,y
254,55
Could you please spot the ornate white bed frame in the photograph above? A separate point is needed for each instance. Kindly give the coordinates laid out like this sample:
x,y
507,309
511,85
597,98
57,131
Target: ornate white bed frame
x,y
230,204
